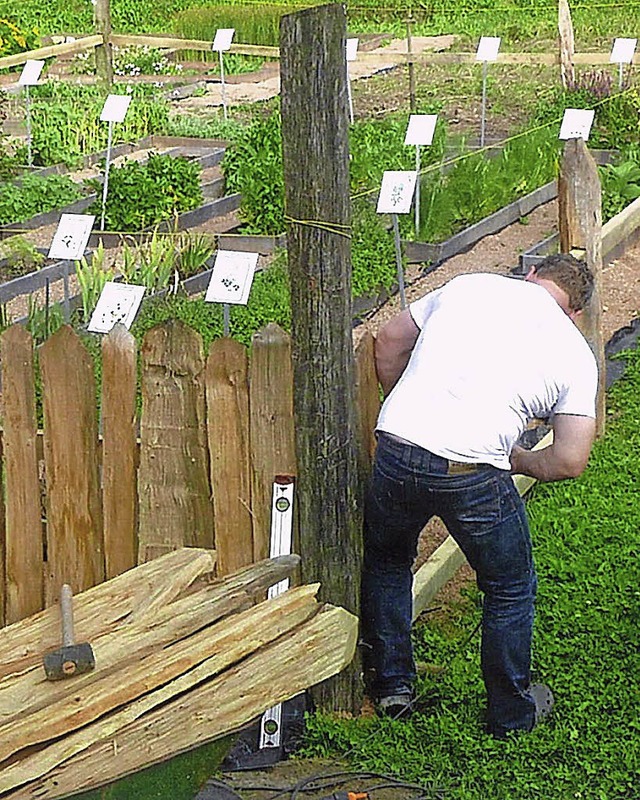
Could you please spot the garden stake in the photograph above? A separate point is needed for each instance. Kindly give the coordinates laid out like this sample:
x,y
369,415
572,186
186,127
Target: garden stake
x,y
396,238
28,110
105,185
224,96
484,102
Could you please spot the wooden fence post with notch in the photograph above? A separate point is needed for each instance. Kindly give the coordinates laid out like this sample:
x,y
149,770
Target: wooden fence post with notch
x,y
580,225
227,395
174,494
119,450
104,56
315,132
24,551
75,552
271,426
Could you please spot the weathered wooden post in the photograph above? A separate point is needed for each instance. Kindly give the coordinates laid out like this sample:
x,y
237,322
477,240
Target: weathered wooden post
x,y
104,59
315,122
567,47
580,224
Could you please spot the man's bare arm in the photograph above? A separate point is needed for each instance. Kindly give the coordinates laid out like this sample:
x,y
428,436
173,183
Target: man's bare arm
x,y
393,347
567,457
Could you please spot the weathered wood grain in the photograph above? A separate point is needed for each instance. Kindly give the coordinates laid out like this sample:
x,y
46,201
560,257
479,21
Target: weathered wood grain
x,y
119,450
367,394
227,393
24,579
271,425
173,478
75,553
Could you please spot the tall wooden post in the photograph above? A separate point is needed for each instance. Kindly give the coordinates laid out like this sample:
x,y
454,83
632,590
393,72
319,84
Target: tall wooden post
x,y
315,124
567,46
104,59
580,224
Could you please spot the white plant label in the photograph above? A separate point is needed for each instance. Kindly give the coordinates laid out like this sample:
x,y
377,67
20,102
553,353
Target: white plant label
x,y
352,49
488,48
231,277
420,129
30,74
71,237
396,192
576,123
115,108
223,38
622,51
118,302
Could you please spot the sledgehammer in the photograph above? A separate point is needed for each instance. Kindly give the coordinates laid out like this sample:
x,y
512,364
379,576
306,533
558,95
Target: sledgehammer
x,y
71,658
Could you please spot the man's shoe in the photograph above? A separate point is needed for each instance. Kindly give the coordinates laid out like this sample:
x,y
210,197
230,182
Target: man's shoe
x,y
395,706
542,696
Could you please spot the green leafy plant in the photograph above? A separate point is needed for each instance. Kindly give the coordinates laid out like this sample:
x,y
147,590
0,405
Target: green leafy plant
x,y
152,263
35,195
21,257
620,186
14,39
141,195
92,277
42,321
194,250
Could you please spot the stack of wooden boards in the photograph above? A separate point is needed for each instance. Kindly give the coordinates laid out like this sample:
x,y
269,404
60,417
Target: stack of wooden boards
x,y
181,659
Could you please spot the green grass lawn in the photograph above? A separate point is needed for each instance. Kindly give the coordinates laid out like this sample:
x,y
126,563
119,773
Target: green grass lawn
x,y
587,646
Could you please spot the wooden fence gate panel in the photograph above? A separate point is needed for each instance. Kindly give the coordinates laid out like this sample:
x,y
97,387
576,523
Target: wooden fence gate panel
x,y
367,395
74,505
175,506
271,425
227,395
24,553
119,451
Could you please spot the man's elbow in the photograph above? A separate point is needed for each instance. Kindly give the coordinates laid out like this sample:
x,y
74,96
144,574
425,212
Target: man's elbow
x,y
573,465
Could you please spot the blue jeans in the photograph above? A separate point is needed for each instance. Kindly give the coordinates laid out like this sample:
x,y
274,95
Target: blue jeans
x,y
484,513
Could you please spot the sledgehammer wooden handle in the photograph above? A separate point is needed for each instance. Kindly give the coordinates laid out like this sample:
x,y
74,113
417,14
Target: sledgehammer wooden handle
x,y
66,612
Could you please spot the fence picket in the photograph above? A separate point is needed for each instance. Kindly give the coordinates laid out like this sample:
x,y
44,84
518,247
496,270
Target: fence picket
x,y
74,510
119,451
227,395
175,506
367,395
24,554
271,425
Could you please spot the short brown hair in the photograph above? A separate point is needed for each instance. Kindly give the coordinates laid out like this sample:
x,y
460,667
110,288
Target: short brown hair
x,y
570,274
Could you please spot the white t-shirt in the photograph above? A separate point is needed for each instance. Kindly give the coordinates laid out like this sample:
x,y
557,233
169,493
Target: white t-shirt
x,y
492,354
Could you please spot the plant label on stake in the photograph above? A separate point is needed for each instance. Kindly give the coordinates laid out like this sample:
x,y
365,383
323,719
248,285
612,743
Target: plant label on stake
x,y
420,131
487,51
29,76
118,302
68,244
231,279
114,110
576,123
622,53
351,55
222,41
395,198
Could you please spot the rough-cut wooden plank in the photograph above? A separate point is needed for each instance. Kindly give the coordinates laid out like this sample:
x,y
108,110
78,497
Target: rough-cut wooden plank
x,y
74,506
566,42
315,651
173,479
123,645
443,564
65,49
175,43
119,450
227,393
368,394
3,547
24,534
580,226
176,668
621,227
271,425
95,611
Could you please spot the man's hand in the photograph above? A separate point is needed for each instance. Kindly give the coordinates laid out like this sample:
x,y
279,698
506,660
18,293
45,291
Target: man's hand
x,y
567,457
393,347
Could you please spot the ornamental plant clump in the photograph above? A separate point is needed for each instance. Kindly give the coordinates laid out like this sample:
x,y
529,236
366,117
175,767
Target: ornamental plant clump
x,y
141,195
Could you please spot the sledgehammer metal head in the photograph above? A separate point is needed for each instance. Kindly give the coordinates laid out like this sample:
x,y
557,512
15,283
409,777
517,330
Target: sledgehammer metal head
x,y
71,658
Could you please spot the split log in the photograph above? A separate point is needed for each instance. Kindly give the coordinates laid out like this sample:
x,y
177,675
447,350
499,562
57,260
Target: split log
x,y
315,651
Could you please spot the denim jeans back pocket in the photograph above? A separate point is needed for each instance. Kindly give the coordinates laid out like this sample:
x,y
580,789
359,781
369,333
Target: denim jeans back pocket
x,y
478,508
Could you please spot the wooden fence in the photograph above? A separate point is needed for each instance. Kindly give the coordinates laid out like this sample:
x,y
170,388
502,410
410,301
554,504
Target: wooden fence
x,y
90,494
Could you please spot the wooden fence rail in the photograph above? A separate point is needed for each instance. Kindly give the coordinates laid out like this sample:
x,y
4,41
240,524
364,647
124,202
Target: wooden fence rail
x,y
194,467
